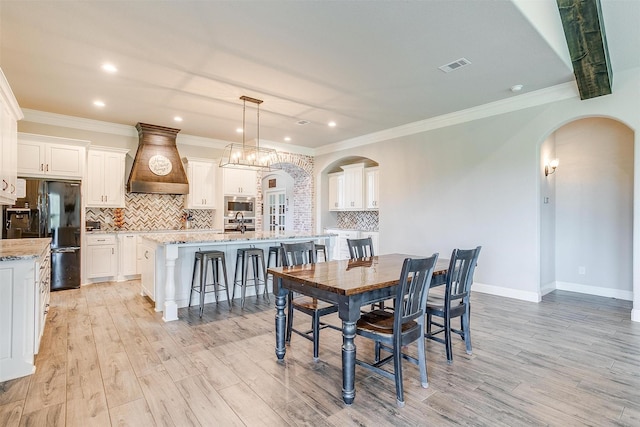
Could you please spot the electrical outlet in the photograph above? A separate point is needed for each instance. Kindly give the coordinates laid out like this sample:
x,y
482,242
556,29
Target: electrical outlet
x,y
582,270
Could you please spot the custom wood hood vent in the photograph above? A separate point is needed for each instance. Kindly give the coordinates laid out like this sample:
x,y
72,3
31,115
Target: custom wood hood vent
x,y
157,167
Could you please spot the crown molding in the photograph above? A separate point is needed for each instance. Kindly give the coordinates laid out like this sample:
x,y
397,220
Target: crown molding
x,y
527,100
8,98
91,125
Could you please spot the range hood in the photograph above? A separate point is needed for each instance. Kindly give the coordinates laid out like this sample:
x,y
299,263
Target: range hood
x,y
157,167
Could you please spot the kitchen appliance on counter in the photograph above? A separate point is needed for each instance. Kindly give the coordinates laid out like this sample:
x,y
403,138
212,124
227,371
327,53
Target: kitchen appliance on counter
x,y
50,209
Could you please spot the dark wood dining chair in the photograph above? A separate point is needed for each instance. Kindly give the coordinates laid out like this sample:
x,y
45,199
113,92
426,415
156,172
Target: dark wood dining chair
x,y
455,302
360,248
393,330
299,254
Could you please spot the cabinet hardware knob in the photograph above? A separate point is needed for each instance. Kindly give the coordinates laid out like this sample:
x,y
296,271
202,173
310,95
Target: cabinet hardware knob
x,y
47,169
41,167
5,184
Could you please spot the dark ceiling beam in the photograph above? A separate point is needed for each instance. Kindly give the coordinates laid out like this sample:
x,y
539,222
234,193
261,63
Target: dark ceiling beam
x,y
584,31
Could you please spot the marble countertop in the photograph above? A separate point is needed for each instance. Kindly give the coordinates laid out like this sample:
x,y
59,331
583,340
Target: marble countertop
x,y
22,249
181,237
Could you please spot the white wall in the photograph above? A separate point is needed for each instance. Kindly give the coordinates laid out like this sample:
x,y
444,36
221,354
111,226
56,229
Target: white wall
x,y
594,212
478,183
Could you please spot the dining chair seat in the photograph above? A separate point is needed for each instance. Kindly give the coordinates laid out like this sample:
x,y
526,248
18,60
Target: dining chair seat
x,y
311,303
381,322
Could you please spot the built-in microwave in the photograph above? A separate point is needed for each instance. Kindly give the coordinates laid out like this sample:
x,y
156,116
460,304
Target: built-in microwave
x,y
245,205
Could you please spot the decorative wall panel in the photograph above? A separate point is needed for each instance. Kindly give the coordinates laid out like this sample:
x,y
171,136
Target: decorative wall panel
x,y
358,220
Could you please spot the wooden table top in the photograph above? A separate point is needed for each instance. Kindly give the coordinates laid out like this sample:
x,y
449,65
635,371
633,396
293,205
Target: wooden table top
x,y
350,277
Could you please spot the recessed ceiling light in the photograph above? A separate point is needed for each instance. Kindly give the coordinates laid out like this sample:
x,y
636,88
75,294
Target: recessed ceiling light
x,y
177,118
109,68
287,138
516,88
332,124
98,103
239,130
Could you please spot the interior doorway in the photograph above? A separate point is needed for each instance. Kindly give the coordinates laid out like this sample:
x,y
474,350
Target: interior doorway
x,y
275,210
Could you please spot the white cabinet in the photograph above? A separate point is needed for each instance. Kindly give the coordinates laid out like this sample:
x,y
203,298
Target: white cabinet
x,y
127,250
372,187
9,115
336,191
50,157
239,181
101,256
24,301
147,267
105,177
202,183
353,186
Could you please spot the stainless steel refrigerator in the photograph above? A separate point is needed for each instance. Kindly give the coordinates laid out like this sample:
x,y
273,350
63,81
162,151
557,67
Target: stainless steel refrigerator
x,y
51,209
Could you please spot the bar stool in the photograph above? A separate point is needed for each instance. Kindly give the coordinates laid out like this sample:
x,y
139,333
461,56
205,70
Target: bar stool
x,y
245,256
202,258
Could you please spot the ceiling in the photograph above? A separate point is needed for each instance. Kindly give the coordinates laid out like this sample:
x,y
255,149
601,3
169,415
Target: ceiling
x,y
367,65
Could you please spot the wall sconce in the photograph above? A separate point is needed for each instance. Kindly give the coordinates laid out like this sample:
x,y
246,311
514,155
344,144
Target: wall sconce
x,y
550,166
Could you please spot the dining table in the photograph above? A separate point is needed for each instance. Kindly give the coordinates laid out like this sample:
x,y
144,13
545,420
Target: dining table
x,y
350,284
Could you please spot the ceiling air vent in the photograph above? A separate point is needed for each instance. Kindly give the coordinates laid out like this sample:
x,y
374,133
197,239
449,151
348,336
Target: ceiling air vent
x,y
455,65
303,122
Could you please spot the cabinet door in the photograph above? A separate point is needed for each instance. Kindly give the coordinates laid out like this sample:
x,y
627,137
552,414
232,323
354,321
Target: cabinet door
x,y
127,251
101,261
239,181
113,178
147,268
31,158
336,192
64,160
8,159
95,178
353,187
372,189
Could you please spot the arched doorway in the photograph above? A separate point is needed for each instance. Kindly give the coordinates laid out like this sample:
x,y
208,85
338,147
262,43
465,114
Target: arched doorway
x,y
586,210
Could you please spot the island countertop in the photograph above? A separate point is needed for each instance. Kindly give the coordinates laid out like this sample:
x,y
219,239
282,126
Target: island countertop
x,y
20,249
178,237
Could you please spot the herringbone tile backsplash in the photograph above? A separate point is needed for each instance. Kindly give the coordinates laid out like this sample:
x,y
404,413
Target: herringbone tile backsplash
x,y
152,212
358,220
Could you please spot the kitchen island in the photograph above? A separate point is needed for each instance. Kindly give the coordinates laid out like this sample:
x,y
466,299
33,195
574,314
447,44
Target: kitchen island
x,y
24,302
167,260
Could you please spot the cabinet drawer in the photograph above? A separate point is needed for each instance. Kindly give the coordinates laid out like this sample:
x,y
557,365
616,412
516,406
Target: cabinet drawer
x,y
101,239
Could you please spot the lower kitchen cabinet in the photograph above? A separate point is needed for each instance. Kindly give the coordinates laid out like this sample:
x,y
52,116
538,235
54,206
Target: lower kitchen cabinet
x,y
24,303
127,244
101,258
341,248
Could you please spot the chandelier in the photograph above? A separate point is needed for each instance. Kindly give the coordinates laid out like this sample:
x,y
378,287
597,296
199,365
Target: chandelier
x,y
247,156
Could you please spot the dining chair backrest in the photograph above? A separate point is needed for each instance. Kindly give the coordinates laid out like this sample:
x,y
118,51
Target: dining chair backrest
x,y
413,289
460,274
298,253
360,248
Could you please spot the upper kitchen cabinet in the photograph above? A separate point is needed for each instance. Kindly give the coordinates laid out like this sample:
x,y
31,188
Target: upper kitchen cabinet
x,y
353,186
201,174
9,115
239,182
336,191
41,156
105,177
372,185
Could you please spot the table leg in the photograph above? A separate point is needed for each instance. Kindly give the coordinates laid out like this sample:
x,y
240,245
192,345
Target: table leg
x,y
281,320
348,362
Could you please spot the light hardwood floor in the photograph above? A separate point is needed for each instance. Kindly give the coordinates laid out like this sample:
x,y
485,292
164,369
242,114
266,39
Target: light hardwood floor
x,y
108,359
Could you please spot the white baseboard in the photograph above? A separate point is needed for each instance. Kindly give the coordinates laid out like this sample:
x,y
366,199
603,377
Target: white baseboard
x,y
506,292
635,315
548,287
595,290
